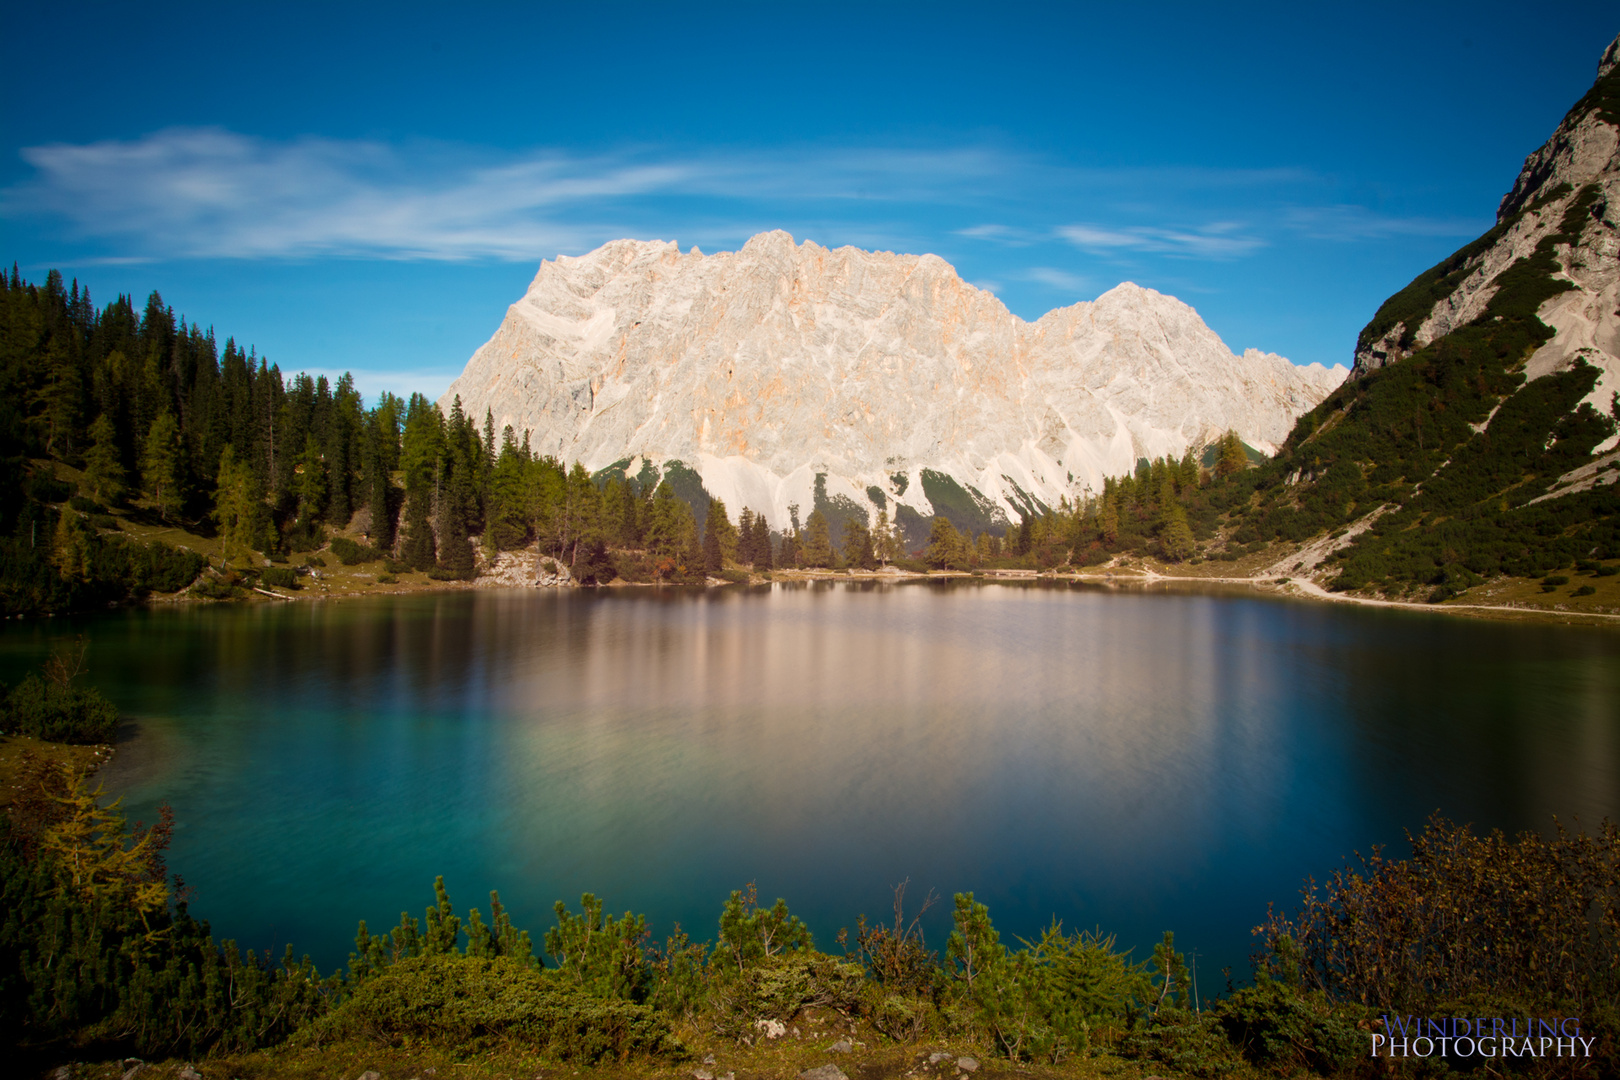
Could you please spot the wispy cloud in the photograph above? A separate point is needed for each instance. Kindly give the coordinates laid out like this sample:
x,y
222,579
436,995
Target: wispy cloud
x,y
1216,240
216,193
1001,234
1061,280
1357,223
213,193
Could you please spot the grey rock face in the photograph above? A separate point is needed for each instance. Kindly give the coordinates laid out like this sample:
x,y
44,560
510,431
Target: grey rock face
x,y
763,367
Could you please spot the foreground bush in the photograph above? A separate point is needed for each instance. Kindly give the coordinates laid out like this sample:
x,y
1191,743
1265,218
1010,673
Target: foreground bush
x,y
53,708
69,714
1467,926
466,1002
93,957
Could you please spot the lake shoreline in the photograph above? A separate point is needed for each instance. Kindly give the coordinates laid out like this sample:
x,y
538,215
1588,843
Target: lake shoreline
x,y
1268,581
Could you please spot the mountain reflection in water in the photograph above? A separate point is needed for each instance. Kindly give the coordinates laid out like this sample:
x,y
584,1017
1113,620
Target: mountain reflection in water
x,y
1140,760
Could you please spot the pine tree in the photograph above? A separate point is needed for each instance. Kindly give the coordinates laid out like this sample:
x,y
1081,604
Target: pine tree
x,y
944,550
745,537
103,464
885,539
857,546
1232,458
238,506
762,544
160,465
72,550
792,553
310,482
1177,537
719,538
818,550
419,551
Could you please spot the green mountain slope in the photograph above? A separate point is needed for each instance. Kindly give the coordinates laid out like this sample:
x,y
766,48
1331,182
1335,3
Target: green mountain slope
x,y
1477,434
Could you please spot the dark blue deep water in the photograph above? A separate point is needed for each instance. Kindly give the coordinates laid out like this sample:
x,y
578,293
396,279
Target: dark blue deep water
x,y
1134,760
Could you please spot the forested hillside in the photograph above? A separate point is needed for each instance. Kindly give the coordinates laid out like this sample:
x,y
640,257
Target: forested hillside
x,y
114,417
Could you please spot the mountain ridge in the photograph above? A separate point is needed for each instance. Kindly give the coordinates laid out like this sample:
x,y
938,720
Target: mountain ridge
x,y
782,367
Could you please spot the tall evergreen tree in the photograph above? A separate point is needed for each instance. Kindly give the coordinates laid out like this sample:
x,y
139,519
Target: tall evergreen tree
x,y
762,544
239,508
104,476
818,549
160,465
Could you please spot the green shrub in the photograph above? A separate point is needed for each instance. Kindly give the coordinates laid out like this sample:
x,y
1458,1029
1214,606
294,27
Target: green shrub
x,y
1584,590
84,505
735,577
467,1002
387,579
1041,1002
1276,1026
117,966
215,589
350,553
1192,1043
778,988
279,576
60,713
314,560
601,954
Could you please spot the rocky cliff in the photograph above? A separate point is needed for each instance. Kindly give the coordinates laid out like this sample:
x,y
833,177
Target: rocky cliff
x,y
765,367
1578,169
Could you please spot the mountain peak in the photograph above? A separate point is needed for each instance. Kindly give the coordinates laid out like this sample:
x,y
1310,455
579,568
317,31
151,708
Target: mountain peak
x,y
765,367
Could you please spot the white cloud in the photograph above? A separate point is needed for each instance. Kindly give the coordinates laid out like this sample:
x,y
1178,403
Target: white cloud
x,y
1356,223
1216,240
213,193
1061,280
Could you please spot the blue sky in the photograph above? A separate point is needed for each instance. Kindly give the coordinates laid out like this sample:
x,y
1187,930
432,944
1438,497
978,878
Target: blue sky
x,y
368,186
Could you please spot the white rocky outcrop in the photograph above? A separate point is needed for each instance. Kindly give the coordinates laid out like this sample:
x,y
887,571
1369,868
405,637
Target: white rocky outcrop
x,y
764,367
1583,153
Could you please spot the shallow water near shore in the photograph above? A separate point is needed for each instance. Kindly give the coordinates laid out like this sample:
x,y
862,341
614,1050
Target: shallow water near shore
x,y
1138,760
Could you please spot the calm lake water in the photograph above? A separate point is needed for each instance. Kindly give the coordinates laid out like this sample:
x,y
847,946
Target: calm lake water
x,y
1134,760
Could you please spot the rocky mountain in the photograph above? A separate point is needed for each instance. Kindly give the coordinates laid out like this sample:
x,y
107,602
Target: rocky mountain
x,y
789,373
1576,172
1477,435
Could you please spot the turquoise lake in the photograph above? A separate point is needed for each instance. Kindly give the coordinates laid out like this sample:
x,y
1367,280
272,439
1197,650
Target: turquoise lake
x,y
1138,760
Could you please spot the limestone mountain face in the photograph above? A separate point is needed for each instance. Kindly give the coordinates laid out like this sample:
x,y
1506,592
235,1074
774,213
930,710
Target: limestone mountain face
x,y
764,367
1581,159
